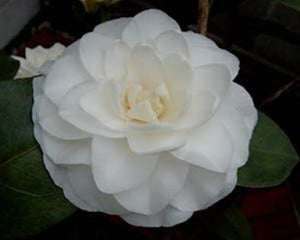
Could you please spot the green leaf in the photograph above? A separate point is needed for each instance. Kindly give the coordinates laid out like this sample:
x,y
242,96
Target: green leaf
x,y
294,4
272,156
8,67
232,224
29,201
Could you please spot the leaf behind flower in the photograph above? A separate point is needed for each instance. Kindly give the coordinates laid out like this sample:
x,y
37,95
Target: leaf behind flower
x,y
29,201
272,156
8,67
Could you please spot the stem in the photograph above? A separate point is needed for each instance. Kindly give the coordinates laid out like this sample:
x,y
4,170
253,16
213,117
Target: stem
x,y
280,92
203,11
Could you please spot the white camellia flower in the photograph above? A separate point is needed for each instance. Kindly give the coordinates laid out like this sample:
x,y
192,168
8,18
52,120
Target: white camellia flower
x,y
142,120
35,58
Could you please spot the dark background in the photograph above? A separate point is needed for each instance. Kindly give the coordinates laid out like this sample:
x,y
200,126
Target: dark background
x,y
265,35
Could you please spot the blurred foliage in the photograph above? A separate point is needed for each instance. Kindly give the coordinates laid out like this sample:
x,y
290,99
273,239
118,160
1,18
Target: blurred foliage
x,y
295,4
8,67
29,201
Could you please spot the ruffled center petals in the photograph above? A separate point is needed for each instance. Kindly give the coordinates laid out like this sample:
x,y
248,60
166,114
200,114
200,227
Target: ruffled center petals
x,y
98,103
71,111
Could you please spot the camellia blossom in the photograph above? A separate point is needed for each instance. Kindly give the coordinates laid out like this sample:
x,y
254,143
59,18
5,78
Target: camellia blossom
x,y
142,120
35,58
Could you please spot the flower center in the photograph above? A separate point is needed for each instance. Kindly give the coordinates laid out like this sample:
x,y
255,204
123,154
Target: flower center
x,y
144,104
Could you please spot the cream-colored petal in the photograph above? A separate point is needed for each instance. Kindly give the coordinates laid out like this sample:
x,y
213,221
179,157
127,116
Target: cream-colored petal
x,y
147,25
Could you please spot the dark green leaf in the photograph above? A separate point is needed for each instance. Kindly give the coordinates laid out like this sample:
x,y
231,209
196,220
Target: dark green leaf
x,y
294,4
232,224
29,202
272,156
8,67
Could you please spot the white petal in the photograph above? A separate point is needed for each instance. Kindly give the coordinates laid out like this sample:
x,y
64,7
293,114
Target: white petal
x,y
155,142
71,111
92,53
167,217
63,151
113,28
116,60
198,40
38,86
205,56
239,132
155,194
212,78
178,80
99,104
240,99
59,176
209,146
83,185
64,74
145,67
172,42
43,107
78,152
202,188
148,24
198,111
116,168
58,127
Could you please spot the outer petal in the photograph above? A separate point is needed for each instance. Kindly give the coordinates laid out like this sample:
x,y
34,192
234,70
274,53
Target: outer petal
x,y
45,113
64,74
198,40
92,53
204,56
214,79
209,146
58,127
172,42
116,168
201,189
71,111
167,217
83,185
59,176
113,28
152,196
242,102
148,24
62,151
239,132
79,187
